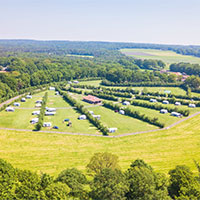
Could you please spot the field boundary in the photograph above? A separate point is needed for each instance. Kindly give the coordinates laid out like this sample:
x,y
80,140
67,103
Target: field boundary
x,y
109,136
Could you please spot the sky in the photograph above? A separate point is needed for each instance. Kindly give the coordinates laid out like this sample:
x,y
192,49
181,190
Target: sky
x,y
141,21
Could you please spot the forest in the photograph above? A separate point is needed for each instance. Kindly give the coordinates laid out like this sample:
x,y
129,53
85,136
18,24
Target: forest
x,y
103,179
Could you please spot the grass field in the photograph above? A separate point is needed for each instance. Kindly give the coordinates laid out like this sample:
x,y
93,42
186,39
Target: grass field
x,y
166,56
52,153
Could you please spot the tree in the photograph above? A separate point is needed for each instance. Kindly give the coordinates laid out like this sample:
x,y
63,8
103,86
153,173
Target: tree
x,y
74,179
109,184
183,184
57,191
144,183
101,161
192,82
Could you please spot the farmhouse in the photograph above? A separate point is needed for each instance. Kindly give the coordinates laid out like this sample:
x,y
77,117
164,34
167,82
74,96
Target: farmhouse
x,y
37,112
175,114
47,124
153,100
50,113
52,88
126,103
191,105
10,109
28,96
16,104
92,99
112,130
177,103
165,102
23,100
163,111
82,117
34,120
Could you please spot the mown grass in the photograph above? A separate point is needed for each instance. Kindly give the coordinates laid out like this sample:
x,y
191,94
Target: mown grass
x,y
52,153
166,56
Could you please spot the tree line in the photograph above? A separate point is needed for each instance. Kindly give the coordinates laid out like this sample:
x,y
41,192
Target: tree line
x,y
104,179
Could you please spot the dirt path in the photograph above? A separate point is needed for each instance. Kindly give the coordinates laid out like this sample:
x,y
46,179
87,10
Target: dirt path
x,y
10,100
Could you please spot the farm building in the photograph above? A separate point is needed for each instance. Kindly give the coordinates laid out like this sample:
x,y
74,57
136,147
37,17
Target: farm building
x,y
38,105
16,104
175,114
92,99
50,109
177,103
76,82
97,116
163,111
34,120
37,112
38,101
191,105
126,103
10,109
23,100
165,102
82,117
52,88
122,112
28,96
112,130
153,100
50,113
47,124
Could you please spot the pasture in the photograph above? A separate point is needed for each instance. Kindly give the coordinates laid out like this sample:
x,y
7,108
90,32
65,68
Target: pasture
x,y
166,56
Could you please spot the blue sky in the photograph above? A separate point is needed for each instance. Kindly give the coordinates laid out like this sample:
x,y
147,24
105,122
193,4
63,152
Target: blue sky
x,y
151,21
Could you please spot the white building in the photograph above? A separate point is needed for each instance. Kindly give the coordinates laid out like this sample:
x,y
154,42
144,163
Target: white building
x,y
112,130
10,109
23,100
47,124
34,120
192,105
50,113
153,100
82,117
91,112
176,114
177,103
126,103
163,111
165,102
16,104
37,112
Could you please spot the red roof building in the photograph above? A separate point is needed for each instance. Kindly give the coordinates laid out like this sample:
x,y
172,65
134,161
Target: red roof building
x,y
92,99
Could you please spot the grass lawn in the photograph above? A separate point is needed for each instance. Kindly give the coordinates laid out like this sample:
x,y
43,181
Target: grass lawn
x,y
166,56
52,153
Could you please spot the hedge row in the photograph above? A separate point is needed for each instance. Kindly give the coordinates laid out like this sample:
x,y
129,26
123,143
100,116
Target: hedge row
x,y
39,125
134,114
117,94
84,111
70,89
159,107
102,95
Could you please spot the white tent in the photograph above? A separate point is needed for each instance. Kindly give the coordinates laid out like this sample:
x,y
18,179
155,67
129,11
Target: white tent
x,y
122,112
191,105
126,103
165,102
176,114
153,100
177,103
50,113
28,96
34,120
50,109
23,100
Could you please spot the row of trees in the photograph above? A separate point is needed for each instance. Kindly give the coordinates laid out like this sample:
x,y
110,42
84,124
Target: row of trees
x,y
102,95
135,114
39,125
83,110
106,182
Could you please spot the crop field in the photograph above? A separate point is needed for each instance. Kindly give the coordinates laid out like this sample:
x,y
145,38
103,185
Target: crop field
x,y
166,56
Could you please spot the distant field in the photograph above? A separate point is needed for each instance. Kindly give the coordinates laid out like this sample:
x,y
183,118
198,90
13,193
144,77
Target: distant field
x,y
166,56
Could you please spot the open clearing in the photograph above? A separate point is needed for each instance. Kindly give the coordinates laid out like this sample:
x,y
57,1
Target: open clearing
x,y
166,56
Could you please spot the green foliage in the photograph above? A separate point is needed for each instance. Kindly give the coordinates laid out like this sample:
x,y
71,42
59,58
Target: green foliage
x,y
192,82
100,161
183,184
109,185
74,179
